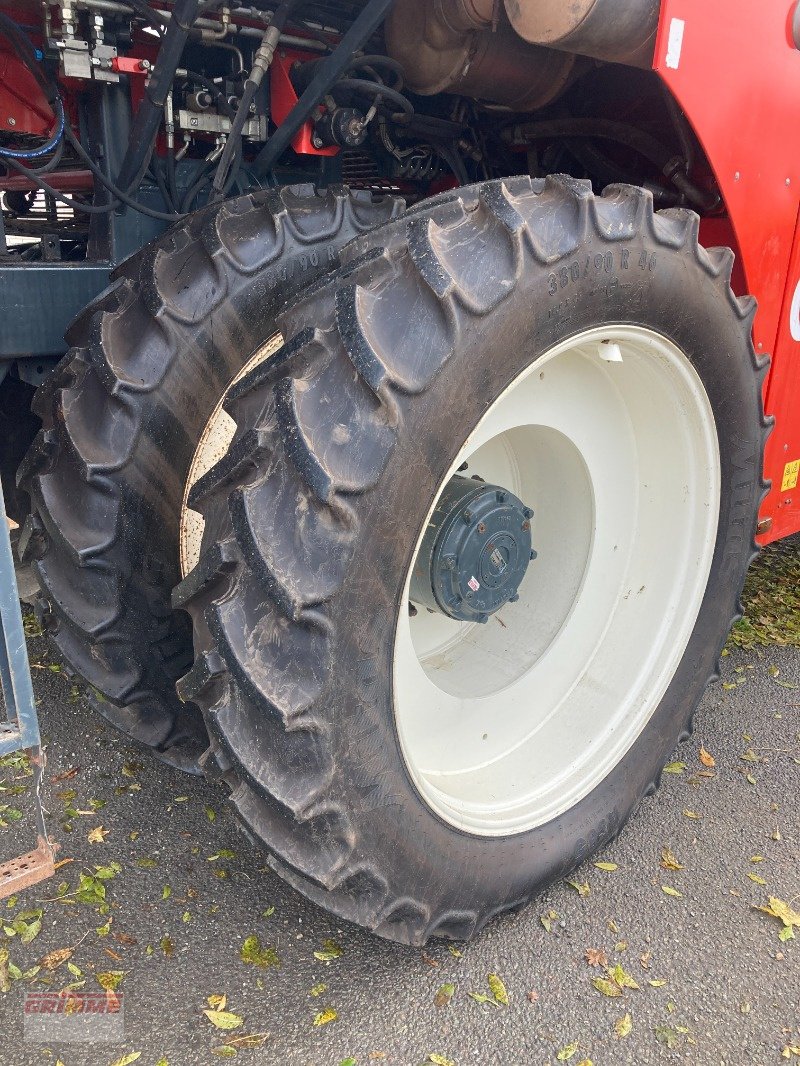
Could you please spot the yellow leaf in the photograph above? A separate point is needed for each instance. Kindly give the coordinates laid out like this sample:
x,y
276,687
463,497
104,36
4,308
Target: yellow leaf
x,y
581,887
657,982
498,989
669,891
126,1060
691,814
440,1060
758,880
668,860
674,767
566,1053
623,1026
620,977
325,1016
706,758
217,1002
97,835
608,866
608,988
777,908
223,1019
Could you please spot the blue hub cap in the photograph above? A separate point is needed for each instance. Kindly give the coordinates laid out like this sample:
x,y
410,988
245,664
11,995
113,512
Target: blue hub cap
x,y
475,551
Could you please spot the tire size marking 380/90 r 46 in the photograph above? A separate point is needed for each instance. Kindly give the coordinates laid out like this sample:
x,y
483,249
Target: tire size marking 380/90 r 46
x,y
603,263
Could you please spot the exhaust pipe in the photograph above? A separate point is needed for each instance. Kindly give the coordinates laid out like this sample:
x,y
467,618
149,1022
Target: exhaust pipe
x,y
619,31
521,53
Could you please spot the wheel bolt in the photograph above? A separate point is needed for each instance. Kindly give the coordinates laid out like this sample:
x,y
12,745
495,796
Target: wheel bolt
x,y
481,527
467,515
526,525
501,496
533,554
483,619
527,512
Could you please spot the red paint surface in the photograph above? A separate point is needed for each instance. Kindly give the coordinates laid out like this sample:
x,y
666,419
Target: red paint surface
x,y
738,81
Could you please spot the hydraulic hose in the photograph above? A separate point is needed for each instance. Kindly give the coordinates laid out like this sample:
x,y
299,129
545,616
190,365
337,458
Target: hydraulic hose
x,y
151,110
261,64
672,166
329,71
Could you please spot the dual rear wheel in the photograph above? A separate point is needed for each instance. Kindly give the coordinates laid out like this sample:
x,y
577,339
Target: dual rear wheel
x,y
419,744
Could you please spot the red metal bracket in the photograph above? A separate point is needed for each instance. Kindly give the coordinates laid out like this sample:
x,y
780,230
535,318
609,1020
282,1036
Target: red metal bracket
x,y
283,98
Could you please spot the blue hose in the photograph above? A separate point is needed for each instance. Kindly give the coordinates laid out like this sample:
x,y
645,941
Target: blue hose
x,y
34,153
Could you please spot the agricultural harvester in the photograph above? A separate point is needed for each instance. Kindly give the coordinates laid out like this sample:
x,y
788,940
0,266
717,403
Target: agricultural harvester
x,y
431,375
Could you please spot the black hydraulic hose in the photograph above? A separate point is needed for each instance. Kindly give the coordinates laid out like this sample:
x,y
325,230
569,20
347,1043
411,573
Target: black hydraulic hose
x,y
374,88
220,98
120,196
620,133
76,205
148,15
261,63
151,110
329,71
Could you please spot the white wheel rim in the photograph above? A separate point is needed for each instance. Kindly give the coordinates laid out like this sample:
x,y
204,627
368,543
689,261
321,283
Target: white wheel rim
x,y
215,440
610,438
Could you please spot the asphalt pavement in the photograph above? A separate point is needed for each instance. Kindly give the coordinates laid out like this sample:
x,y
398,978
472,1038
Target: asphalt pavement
x,y
717,981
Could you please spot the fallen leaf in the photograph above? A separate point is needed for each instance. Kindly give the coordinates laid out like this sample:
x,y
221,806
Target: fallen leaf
x,y
608,866
440,1060
443,995
674,767
533,996
217,1002
249,1040
330,950
668,860
566,1053
110,980
623,1026
777,908
596,957
608,988
657,982
55,958
582,888
223,1019
126,1060
255,955
621,978
167,946
754,877
97,835
317,990
325,1016
498,989
691,814
706,758
669,891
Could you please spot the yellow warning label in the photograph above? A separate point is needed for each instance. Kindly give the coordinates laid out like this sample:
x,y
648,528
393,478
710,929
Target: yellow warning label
x,y
791,472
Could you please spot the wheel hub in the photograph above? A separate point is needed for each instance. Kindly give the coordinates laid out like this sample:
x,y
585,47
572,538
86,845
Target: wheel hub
x,y
475,552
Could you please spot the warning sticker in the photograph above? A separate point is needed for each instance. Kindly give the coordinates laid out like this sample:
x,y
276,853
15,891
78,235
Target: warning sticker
x,y
474,584
791,472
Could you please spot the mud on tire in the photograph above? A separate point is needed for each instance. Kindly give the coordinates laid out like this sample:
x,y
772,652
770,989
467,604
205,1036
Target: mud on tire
x,y
312,518
122,415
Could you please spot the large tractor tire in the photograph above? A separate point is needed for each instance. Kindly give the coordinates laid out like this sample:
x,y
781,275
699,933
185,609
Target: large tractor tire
x,y
424,725
132,415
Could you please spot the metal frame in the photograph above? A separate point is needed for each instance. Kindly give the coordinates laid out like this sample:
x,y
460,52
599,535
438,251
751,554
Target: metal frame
x,y
19,725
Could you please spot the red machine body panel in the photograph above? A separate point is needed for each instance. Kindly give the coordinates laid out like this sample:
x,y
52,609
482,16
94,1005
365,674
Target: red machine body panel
x,y
734,69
